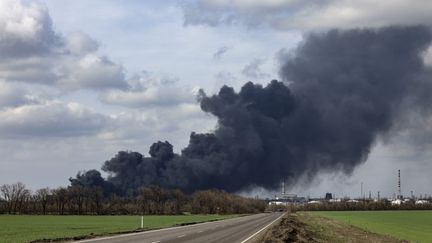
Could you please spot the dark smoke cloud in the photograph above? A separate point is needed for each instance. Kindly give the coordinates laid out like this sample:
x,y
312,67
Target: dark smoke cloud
x,y
93,178
340,91
352,86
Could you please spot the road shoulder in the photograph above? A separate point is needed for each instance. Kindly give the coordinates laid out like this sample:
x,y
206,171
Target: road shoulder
x,y
306,227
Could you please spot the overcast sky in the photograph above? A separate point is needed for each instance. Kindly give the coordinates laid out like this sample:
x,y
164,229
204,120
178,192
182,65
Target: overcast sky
x,y
81,80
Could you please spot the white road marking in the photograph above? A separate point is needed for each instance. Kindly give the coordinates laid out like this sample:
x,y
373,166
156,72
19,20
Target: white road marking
x,y
265,227
156,241
180,236
200,231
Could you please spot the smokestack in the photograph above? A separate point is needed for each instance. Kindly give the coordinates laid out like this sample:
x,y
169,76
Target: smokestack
x,y
399,186
283,187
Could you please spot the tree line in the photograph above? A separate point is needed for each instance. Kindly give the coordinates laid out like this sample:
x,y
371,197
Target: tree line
x,y
80,200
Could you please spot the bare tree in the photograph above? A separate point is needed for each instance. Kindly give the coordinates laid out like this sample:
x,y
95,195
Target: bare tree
x,y
15,195
42,196
96,195
61,198
23,196
179,201
6,191
77,196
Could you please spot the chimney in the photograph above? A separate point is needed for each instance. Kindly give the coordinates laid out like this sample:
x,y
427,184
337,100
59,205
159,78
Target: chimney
x,y
399,186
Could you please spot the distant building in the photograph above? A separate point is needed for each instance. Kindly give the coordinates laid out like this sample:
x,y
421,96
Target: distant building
x,y
276,203
353,201
286,199
396,202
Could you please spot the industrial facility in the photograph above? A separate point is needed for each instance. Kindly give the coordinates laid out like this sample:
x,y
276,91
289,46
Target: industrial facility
x,y
398,199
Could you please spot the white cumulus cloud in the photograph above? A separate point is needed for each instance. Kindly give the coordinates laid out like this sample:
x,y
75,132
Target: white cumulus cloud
x,y
32,52
50,119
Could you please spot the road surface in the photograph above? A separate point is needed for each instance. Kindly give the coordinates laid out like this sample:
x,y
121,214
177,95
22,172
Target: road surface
x,y
241,230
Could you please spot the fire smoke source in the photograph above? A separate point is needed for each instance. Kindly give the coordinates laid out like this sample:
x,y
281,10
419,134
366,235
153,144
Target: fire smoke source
x,y
340,90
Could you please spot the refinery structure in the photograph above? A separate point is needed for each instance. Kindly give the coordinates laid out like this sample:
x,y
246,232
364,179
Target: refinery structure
x,y
285,199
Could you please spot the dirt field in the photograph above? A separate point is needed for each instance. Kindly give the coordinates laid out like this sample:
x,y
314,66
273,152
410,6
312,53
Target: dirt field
x,y
306,227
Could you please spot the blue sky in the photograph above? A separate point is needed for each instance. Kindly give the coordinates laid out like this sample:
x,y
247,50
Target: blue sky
x,y
103,76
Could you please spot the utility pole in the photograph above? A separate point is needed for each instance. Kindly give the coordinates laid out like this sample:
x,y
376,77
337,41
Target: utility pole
x,y
142,214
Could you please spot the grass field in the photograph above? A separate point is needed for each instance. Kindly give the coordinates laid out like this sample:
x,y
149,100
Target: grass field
x,y
23,228
415,226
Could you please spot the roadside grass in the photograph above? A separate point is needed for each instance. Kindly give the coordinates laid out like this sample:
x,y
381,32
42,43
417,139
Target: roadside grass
x,y
26,228
415,226
327,230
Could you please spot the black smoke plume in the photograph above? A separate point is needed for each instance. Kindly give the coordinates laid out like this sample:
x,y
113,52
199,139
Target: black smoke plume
x,y
340,91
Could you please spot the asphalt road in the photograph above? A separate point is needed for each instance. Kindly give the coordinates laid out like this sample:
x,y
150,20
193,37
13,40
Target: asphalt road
x,y
241,230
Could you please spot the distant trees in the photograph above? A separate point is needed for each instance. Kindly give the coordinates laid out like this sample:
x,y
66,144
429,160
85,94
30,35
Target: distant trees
x,y
219,202
42,196
152,200
76,198
180,201
80,199
60,199
14,197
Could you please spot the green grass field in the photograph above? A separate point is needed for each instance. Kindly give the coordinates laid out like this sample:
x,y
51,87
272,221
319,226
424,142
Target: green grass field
x,y
24,228
415,226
